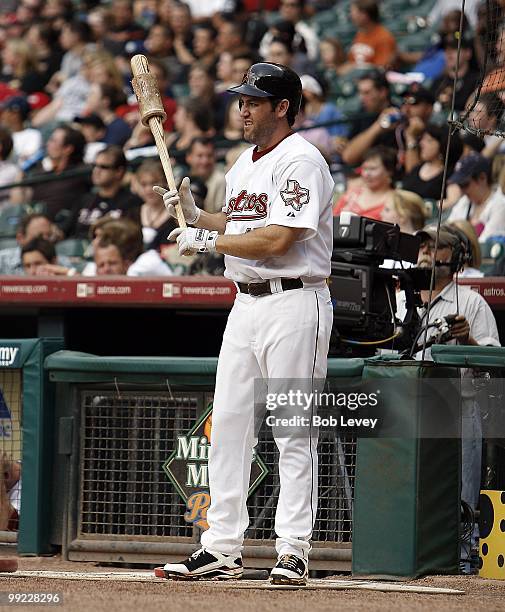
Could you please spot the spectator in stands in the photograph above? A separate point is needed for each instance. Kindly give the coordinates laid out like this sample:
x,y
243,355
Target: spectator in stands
x,y
159,45
70,99
485,115
318,136
240,64
484,112
181,26
122,29
280,51
31,226
426,177
110,196
201,160
192,118
44,39
20,67
318,110
8,170
99,21
111,258
370,193
233,130
480,204
36,255
93,129
104,100
231,36
376,123
332,55
285,32
467,77
416,109
399,129
204,44
203,11
201,87
431,60
407,210
75,40
471,268
373,44
224,71
442,7
156,221
27,141
293,11
119,250
64,156
471,143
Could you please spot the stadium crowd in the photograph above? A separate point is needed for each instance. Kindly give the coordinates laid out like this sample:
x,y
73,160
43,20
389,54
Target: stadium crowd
x,y
76,163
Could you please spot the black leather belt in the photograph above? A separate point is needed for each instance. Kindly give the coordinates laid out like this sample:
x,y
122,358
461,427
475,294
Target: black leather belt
x,y
257,289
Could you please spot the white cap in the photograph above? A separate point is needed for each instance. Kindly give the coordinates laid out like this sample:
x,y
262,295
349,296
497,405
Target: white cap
x,y
309,83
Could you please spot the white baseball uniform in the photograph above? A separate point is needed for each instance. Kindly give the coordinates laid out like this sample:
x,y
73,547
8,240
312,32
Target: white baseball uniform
x,y
278,336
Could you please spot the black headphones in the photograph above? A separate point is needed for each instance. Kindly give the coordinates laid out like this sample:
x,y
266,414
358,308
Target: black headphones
x,y
461,251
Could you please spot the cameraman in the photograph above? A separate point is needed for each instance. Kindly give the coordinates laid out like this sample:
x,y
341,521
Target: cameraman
x,y
474,325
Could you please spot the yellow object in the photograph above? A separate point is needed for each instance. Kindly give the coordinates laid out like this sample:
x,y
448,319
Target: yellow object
x,y
492,535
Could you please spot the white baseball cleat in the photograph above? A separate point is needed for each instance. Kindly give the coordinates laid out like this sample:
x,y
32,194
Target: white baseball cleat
x,y
203,565
290,569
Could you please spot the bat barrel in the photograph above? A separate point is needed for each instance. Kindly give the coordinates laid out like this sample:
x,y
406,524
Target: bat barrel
x,y
146,89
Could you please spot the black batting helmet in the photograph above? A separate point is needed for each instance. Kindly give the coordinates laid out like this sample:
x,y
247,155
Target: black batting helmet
x,y
268,80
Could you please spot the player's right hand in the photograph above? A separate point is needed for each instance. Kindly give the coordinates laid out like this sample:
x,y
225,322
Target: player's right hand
x,y
184,197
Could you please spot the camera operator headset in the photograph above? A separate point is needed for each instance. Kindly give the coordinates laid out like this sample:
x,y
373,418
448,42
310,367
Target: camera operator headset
x,y
457,312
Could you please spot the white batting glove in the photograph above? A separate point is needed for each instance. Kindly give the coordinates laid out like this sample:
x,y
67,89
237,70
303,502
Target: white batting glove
x,y
185,197
192,240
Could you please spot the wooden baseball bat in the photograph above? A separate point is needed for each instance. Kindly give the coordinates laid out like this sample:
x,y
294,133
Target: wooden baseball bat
x,y
152,115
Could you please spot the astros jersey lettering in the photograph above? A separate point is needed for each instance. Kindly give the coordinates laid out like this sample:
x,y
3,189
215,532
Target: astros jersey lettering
x,y
290,185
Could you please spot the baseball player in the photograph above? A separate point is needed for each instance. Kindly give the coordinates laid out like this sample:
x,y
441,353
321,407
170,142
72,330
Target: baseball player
x,y
275,231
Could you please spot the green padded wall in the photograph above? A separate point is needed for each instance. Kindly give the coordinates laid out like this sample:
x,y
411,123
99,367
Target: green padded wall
x,y
407,496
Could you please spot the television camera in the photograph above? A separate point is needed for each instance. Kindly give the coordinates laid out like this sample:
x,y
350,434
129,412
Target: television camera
x,y
363,288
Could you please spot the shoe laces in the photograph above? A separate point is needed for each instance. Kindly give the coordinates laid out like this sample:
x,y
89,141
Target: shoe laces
x,y
197,553
289,561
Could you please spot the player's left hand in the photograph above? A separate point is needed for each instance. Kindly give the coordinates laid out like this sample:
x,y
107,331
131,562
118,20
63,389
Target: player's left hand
x,y
193,240
460,329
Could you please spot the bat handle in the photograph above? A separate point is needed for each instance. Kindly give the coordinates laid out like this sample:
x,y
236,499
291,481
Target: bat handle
x,y
159,138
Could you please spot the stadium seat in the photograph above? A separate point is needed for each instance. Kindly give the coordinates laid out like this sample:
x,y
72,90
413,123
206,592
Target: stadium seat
x,y
72,247
12,215
7,242
491,251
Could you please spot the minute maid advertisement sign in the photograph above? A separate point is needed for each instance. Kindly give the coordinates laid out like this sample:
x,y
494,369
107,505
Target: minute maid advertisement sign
x,y
187,468
9,356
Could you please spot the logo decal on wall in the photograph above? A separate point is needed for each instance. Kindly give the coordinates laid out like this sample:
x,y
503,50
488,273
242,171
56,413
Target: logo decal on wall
x,y
187,469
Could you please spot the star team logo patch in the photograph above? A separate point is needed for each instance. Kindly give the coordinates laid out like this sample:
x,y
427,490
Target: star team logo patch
x,y
294,195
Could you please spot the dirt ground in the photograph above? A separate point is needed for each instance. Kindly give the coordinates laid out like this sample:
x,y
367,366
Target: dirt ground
x,y
111,595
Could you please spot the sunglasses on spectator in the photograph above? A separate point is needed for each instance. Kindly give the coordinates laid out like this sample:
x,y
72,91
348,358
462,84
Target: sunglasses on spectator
x,y
104,167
